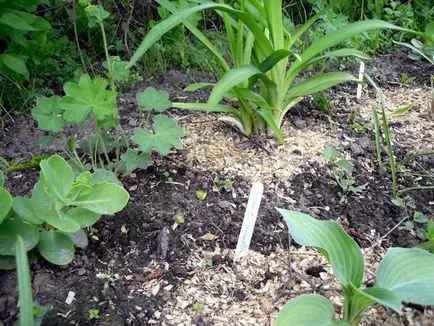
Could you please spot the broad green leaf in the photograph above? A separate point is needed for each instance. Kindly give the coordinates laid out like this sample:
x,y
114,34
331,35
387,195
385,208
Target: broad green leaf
x,y
105,198
229,80
24,284
78,190
48,114
409,273
83,216
2,179
88,96
307,310
62,222
362,299
96,15
134,160
5,203
102,175
16,22
33,209
7,263
166,134
120,72
15,63
345,166
152,99
10,229
56,177
56,247
346,52
319,83
339,248
79,238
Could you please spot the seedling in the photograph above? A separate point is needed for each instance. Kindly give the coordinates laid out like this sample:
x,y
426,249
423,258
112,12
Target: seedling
x,y
198,307
323,104
201,194
404,275
220,185
93,314
406,80
343,172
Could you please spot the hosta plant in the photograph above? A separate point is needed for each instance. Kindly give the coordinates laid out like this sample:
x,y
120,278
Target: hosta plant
x,y
61,206
404,275
262,74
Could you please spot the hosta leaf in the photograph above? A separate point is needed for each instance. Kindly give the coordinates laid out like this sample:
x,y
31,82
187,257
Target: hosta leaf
x,y
83,216
409,273
10,229
361,299
134,160
15,63
5,203
88,96
79,238
56,177
56,247
48,114
106,198
339,248
61,221
307,310
167,134
152,99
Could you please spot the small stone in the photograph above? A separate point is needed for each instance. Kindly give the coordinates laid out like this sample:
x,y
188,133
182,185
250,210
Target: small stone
x,y
356,149
81,271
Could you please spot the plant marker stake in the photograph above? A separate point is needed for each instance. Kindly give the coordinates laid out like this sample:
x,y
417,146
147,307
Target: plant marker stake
x,y
359,86
249,220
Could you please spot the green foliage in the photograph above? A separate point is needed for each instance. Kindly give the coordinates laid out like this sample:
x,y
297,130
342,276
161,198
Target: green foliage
x,y
60,206
403,275
343,171
322,103
260,61
93,314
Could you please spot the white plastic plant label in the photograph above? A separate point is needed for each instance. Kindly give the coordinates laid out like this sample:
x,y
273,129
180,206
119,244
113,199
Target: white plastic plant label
x,y
249,221
360,85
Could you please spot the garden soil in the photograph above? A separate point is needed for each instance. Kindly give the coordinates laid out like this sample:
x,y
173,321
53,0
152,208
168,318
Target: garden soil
x,y
143,268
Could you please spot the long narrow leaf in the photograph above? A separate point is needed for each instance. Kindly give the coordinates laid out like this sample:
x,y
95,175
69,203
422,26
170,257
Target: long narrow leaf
x,y
319,83
271,123
24,284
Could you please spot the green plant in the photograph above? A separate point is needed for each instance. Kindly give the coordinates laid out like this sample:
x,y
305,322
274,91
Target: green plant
x,y
419,49
361,127
406,80
404,275
93,314
261,49
322,103
30,313
222,184
201,194
343,171
60,207
198,307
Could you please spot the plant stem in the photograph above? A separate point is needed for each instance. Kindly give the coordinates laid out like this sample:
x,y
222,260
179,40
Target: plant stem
x,y
377,136
77,42
107,55
390,152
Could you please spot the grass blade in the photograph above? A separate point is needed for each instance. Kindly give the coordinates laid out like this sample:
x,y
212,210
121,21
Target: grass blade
x,y
24,284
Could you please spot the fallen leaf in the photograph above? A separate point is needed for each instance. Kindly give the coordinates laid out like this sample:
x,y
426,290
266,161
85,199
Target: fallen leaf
x,y
209,237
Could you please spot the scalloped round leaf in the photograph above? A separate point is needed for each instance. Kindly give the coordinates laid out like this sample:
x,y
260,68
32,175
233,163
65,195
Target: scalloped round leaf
x,y
409,273
307,310
48,114
106,198
167,134
10,229
134,160
152,99
5,203
56,247
341,250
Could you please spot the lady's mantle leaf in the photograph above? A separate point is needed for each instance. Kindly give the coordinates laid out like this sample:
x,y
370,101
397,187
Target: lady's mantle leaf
x,y
133,160
152,99
48,114
167,134
88,96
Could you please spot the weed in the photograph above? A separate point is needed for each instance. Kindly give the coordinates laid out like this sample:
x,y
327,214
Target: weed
x,y
322,103
93,314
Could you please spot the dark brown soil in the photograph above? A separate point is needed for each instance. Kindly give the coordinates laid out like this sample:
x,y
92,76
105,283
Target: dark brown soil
x,y
129,248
